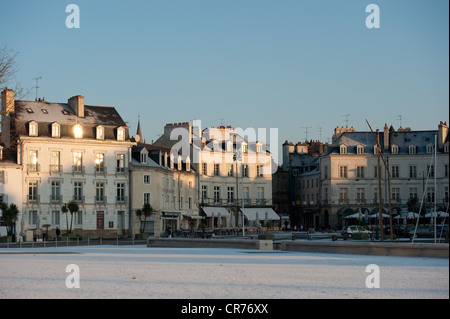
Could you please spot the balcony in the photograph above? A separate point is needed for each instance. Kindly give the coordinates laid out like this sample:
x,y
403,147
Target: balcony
x,y
33,199
100,170
122,200
100,199
33,168
78,170
55,169
78,198
56,199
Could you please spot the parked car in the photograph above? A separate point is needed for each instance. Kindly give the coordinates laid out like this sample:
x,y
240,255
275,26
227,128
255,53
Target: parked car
x,y
421,232
442,231
399,231
349,231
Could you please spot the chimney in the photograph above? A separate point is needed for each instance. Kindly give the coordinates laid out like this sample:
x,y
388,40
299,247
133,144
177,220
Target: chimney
x,y
386,137
7,104
76,103
442,134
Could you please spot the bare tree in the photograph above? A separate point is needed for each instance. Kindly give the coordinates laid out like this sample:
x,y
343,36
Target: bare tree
x,y
8,70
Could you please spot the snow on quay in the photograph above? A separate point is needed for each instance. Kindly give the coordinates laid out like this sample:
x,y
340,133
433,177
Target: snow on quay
x,y
140,272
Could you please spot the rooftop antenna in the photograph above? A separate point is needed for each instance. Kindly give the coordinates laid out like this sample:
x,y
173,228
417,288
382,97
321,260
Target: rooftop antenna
x,y
346,119
37,86
399,117
221,121
306,131
320,133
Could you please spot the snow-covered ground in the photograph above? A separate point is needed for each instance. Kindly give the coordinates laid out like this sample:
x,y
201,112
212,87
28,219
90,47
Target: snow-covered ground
x,y
180,273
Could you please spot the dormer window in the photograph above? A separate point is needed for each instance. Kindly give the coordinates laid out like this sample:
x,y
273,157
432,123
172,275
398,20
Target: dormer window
x,y
188,163
179,164
360,149
56,130
412,149
100,133
244,147
121,134
343,149
33,129
376,149
430,148
144,156
229,146
78,131
258,147
446,148
394,149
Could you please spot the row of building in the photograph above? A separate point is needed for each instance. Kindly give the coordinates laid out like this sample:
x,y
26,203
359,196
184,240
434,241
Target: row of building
x,y
54,153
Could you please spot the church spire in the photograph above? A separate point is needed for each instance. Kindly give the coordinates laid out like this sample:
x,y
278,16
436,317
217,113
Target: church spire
x,y
139,132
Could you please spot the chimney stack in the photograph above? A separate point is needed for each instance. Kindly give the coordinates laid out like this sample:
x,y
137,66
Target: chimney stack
x,y
7,105
386,137
442,134
76,103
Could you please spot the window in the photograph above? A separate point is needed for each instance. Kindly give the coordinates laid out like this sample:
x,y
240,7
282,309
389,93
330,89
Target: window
x,y
55,218
120,163
430,194
78,131
78,191
430,148
33,129
343,195
394,149
120,192
245,195
230,195
412,171
260,196
395,171
216,194
33,165
360,149
244,170
190,202
430,170
375,171
204,194
78,219
100,192
54,161
230,169
147,179
412,149
147,198
446,194
360,197
32,217
33,191
56,130
77,162
375,194
258,148
121,134
100,133
205,168
244,147
446,170
56,191
413,192
395,196
359,171
143,158
446,146
343,149
181,202
259,171
343,171
216,169
99,162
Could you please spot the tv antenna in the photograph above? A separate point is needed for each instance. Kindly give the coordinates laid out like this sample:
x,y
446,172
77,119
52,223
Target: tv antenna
x,y
37,86
399,117
346,119
306,131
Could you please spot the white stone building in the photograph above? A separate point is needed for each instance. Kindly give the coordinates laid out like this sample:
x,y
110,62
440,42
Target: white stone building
x,y
69,151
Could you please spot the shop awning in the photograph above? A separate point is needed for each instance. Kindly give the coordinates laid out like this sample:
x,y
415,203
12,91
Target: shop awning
x,y
263,213
210,211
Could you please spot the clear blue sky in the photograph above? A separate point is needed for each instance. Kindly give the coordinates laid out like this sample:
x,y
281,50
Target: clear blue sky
x,y
287,64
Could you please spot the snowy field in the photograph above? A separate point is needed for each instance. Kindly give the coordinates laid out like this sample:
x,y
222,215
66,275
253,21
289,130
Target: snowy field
x,y
179,273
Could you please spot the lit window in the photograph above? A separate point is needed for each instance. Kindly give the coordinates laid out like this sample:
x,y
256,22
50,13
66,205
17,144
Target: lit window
x,y
121,134
100,133
33,129
78,131
56,130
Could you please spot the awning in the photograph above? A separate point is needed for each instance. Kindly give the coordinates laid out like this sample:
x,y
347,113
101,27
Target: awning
x,y
260,213
193,216
210,211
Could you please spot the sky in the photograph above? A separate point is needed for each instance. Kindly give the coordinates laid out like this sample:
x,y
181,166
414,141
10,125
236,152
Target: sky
x,y
303,67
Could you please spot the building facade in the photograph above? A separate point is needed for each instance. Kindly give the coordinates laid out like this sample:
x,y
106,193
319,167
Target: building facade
x,y
69,152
